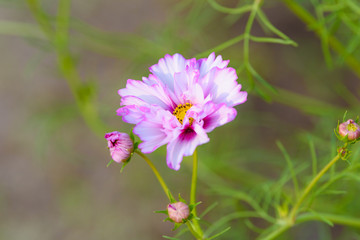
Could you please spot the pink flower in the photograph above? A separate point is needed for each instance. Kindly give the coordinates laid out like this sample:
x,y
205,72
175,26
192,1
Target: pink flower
x,y
179,103
178,211
350,129
120,146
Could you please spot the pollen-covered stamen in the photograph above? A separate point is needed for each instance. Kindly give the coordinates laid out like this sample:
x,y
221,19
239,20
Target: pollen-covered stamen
x,y
180,112
351,127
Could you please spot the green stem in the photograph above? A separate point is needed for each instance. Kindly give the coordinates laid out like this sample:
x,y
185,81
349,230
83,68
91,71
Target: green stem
x,y
249,24
194,179
310,187
58,37
292,220
339,219
221,47
276,232
157,174
193,194
193,228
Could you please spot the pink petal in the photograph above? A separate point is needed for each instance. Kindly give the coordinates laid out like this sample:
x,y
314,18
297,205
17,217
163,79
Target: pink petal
x,y
154,94
133,114
185,144
206,64
212,115
222,87
155,130
186,87
167,67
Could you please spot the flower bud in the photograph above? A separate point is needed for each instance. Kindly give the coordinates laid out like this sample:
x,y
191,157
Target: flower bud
x,y
350,129
178,211
120,146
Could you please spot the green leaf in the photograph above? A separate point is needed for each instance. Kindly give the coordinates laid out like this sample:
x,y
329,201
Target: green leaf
x,y
272,28
252,227
132,136
20,29
263,94
172,200
290,166
224,220
353,6
111,161
240,10
353,176
273,40
221,46
62,25
220,233
324,36
192,206
208,209
322,218
335,192
182,200
136,145
171,238
162,211
344,116
181,232
124,165
260,79
313,155
176,226
236,194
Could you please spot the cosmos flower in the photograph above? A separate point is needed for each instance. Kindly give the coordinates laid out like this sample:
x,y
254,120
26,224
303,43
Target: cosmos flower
x,y
120,146
349,129
179,103
178,211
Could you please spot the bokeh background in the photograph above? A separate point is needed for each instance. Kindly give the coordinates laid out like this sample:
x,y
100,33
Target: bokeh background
x,y
54,183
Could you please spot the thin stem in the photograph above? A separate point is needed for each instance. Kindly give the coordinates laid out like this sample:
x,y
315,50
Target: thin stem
x,y
291,220
249,24
193,227
194,179
58,37
276,232
221,46
311,185
157,174
193,193
334,43
339,219
192,230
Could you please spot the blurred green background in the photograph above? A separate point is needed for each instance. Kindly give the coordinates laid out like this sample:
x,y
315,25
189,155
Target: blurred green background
x,y
54,183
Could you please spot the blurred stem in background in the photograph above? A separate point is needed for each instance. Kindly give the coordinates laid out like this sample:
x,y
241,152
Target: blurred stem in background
x,y
84,93
311,22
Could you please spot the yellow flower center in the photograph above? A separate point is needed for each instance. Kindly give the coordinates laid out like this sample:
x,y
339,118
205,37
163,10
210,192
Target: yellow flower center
x,y
180,112
351,127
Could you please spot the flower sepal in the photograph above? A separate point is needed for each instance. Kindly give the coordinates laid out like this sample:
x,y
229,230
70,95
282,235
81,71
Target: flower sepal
x,y
344,153
348,131
122,147
136,144
179,212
